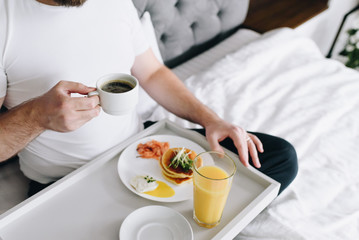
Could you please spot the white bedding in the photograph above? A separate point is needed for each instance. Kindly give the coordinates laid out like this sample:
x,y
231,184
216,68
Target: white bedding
x,y
281,84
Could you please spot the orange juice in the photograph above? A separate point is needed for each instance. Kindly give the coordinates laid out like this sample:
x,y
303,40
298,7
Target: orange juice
x,y
211,188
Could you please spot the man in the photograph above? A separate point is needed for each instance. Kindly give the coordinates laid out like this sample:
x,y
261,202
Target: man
x,y
51,49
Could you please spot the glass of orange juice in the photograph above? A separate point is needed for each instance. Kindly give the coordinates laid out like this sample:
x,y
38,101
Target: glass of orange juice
x,y
212,179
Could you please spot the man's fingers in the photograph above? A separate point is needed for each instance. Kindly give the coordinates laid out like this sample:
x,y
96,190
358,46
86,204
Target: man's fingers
x,y
243,153
85,103
248,145
76,103
81,118
242,148
254,154
257,142
74,87
89,114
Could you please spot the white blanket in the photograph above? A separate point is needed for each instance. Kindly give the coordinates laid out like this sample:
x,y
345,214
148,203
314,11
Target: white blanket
x,y
281,84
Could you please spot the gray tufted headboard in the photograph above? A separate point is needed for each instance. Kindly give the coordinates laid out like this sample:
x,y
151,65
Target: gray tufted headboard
x,y
185,28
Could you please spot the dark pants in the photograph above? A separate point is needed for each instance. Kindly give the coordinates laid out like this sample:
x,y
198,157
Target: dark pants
x,y
278,161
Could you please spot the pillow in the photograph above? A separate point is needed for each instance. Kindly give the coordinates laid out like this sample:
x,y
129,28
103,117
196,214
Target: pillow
x,y
146,104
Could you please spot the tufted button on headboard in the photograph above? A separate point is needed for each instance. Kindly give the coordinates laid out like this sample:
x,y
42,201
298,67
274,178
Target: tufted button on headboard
x,y
184,28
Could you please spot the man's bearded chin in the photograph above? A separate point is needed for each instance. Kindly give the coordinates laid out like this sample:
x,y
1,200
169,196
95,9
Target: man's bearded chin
x,y
70,3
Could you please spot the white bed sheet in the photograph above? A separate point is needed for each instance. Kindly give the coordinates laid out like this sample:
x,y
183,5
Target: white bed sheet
x,y
199,63
282,85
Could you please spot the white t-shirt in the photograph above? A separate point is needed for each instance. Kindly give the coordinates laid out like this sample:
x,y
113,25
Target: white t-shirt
x,y
42,44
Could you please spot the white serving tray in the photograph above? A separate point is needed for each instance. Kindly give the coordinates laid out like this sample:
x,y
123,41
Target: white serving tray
x,y
92,202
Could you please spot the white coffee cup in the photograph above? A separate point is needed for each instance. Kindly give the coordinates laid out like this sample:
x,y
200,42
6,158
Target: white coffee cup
x,y
117,103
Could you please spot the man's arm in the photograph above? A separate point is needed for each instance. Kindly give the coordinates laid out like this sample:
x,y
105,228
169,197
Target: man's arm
x,y
172,94
16,130
55,110
169,91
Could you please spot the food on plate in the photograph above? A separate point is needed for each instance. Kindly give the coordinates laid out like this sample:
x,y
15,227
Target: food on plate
x,y
149,185
162,191
152,149
143,183
176,165
177,181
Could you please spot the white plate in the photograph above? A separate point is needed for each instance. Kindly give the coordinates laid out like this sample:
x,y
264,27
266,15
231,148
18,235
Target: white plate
x,y
155,223
130,165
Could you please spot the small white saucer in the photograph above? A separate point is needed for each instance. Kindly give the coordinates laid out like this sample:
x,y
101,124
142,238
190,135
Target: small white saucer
x,y
155,223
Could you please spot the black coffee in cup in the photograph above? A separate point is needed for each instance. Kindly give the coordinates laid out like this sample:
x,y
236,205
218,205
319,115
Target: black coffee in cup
x,y
117,86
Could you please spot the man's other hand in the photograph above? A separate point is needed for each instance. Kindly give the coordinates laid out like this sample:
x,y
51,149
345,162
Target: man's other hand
x,y
246,143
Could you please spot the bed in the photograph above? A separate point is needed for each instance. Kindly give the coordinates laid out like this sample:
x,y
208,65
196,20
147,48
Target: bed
x,y
278,83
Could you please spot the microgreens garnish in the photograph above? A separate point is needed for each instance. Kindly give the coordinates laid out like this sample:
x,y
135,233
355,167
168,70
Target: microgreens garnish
x,y
181,159
149,179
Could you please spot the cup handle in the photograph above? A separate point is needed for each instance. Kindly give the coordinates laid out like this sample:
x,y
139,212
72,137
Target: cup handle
x,y
93,93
